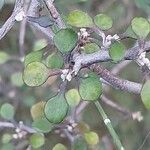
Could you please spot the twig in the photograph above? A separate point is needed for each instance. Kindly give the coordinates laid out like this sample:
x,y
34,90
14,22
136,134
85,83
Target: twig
x,y
22,127
23,31
109,126
11,20
117,82
54,13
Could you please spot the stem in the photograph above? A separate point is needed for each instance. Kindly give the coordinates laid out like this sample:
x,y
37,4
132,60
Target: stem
x,y
109,126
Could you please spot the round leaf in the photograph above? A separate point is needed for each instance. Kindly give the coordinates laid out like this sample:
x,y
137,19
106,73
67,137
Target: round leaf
x,y
117,51
59,146
37,110
79,144
56,109
6,138
42,125
91,48
3,57
65,40
79,19
145,94
90,88
7,111
37,140
141,27
16,79
103,21
91,138
55,60
39,44
35,74
33,56
73,97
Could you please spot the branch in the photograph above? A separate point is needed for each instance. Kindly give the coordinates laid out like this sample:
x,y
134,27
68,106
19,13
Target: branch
x,y
22,127
11,20
116,82
34,12
54,13
103,56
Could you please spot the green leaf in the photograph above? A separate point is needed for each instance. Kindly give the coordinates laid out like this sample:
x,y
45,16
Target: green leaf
x,y
145,94
37,140
91,138
103,21
33,56
55,61
35,74
141,27
43,21
79,19
117,51
3,57
59,146
37,110
90,88
6,138
73,97
91,48
7,111
42,125
40,44
16,79
56,109
65,40
129,33
79,144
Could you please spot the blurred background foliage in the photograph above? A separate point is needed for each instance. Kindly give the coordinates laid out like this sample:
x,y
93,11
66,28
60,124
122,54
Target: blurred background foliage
x,y
22,97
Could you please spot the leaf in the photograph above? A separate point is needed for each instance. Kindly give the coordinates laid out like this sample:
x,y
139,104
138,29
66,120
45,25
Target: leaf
x,y
59,146
6,138
117,51
54,61
103,21
91,138
56,109
37,140
40,44
79,19
43,21
83,127
145,94
16,79
65,40
72,97
91,48
37,110
35,74
141,27
42,125
7,111
129,33
90,88
33,56
79,144
3,57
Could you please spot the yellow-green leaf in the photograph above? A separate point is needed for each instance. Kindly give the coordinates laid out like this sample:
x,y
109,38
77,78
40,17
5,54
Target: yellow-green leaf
x,y
80,19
